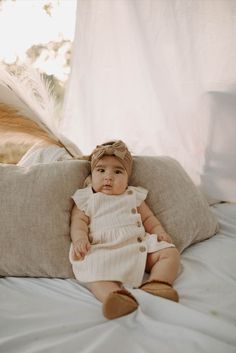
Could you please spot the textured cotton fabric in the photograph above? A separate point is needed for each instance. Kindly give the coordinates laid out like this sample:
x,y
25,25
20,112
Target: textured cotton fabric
x,y
119,243
118,246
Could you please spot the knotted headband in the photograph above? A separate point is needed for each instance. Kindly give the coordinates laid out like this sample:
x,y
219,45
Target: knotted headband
x,y
113,148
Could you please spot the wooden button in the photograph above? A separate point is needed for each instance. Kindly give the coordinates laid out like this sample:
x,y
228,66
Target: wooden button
x,y
129,192
139,224
139,239
142,249
133,210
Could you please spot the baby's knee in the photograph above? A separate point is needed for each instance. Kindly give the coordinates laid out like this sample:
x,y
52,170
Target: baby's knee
x,y
171,253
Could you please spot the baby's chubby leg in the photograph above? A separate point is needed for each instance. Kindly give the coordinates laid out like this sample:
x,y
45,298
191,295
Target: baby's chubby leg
x,y
116,300
163,266
101,289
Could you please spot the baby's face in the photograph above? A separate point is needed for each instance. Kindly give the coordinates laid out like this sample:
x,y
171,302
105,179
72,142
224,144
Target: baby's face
x,y
109,176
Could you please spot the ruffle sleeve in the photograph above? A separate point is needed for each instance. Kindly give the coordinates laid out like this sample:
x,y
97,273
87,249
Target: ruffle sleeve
x,y
81,198
140,193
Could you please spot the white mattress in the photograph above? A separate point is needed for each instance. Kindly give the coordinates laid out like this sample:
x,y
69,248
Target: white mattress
x,y
53,315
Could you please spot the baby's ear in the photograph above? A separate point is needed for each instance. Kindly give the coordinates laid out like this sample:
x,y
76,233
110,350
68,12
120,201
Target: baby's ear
x,y
88,181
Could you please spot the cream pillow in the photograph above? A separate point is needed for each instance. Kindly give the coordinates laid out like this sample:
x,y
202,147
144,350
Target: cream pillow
x,y
35,205
175,200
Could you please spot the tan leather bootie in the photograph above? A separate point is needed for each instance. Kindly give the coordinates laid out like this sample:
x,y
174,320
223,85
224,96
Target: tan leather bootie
x,y
119,303
160,289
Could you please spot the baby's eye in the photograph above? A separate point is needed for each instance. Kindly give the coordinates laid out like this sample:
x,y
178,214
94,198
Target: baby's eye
x,y
118,171
101,170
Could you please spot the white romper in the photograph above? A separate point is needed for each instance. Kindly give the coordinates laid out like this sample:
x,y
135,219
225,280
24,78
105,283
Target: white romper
x,y
119,243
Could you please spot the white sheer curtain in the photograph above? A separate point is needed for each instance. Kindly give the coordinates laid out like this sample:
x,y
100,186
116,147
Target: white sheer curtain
x,y
159,74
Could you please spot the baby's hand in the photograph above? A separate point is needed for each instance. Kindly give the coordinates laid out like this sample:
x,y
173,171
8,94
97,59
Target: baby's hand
x,y
164,237
81,247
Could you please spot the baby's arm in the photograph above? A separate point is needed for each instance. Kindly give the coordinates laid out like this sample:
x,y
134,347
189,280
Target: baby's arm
x,y
151,224
79,232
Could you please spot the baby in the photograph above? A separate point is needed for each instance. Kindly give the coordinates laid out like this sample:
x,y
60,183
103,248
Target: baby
x,y
116,237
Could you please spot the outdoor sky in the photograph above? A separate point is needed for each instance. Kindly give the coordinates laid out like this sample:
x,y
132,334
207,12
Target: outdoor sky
x,y
24,23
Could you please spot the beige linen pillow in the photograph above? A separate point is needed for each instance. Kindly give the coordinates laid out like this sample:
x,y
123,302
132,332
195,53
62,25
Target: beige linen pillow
x,y
175,200
35,205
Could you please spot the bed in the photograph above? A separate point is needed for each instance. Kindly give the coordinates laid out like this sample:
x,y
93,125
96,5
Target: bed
x,y
59,315
44,309
52,314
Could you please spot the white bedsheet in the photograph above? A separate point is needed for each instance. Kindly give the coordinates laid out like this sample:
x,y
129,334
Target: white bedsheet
x,y
53,315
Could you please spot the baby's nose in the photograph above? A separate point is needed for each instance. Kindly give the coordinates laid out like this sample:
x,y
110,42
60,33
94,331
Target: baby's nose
x,y
108,176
